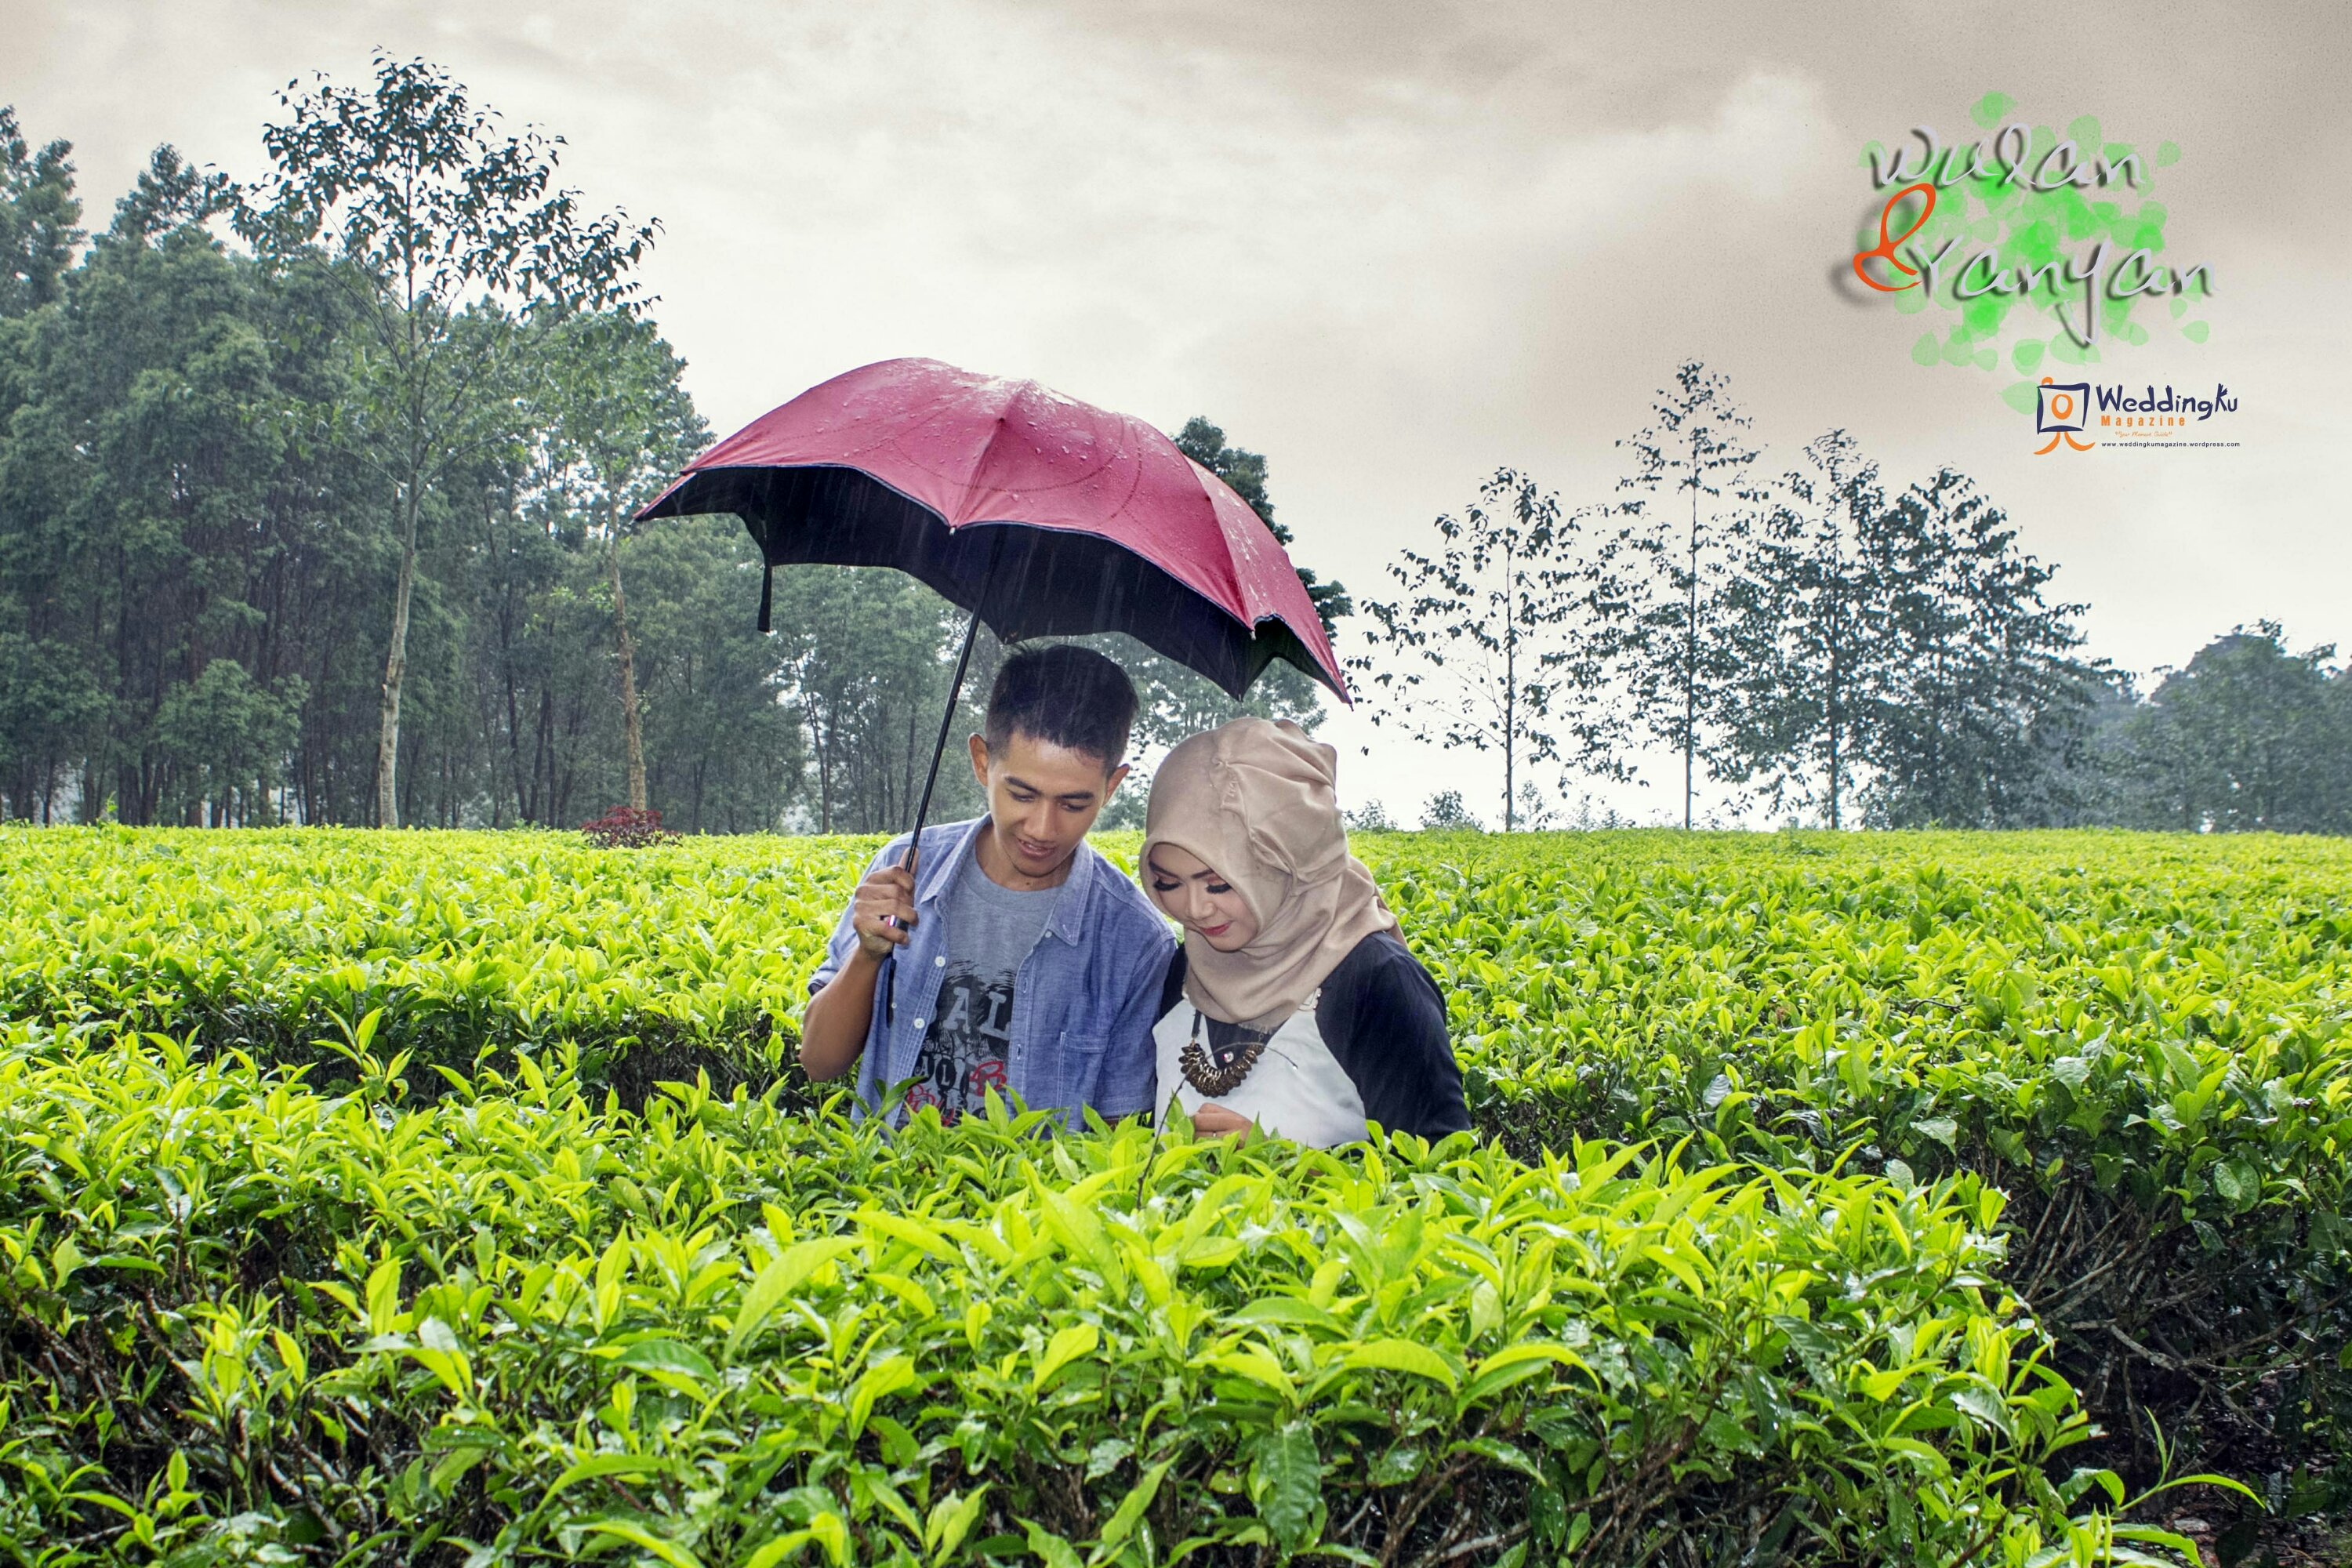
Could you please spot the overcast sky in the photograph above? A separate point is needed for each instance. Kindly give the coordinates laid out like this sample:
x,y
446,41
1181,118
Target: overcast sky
x,y
1391,245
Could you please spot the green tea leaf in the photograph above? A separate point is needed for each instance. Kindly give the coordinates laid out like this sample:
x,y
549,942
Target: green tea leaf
x,y
1286,1484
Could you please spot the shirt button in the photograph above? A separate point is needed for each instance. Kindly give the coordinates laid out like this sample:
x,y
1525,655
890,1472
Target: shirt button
x,y
940,963
919,1023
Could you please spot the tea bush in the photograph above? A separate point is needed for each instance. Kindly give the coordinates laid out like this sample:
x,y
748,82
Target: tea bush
x,y
249,1321
684,955
2146,1041
2143,1039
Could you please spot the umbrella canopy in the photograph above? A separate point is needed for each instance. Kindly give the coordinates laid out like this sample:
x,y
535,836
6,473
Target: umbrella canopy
x,y
1041,515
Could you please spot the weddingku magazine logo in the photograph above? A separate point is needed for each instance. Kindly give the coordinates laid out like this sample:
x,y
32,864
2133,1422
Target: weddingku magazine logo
x,y
2076,415
2028,250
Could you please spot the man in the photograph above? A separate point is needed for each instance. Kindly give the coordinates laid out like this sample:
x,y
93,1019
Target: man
x,y
1026,962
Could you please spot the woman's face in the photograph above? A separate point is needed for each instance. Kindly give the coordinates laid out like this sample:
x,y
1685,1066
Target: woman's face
x,y
1197,898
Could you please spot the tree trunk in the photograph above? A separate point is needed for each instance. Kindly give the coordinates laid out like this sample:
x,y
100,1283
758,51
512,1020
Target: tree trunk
x,y
1510,690
542,758
395,670
1837,721
1690,648
631,729
824,777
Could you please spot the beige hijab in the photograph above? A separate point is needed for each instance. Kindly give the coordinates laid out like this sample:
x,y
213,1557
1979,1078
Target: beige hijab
x,y
1256,801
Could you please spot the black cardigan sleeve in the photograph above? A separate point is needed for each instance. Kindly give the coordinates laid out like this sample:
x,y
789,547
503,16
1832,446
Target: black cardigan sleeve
x,y
1383,1016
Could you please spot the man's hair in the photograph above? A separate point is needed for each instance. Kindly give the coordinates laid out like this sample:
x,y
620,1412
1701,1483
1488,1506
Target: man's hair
x,y
1067,696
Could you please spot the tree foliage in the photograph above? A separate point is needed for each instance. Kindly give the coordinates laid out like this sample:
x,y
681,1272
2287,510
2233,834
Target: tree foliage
x,y
1808,617
1666,579
230,452
2246,736
431,218
406,392
1825,645
1983,692
38,212
1480,650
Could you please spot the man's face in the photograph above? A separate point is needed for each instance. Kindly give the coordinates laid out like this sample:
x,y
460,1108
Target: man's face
x,y
1042,798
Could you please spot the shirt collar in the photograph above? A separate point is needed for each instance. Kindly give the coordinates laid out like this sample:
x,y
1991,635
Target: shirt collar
x,y
939,871
1067,920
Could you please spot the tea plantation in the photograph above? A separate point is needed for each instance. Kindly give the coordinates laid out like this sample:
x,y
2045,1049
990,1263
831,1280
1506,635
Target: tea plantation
x,y
447,1198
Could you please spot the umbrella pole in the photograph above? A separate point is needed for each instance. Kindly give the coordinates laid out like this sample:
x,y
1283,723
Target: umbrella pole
x,y
923,811
939,748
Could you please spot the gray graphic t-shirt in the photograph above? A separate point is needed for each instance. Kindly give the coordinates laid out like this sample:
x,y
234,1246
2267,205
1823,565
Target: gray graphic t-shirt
x,y
990,930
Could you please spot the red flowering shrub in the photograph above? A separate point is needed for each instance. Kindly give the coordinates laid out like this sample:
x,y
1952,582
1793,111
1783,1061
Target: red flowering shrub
x,y
625,828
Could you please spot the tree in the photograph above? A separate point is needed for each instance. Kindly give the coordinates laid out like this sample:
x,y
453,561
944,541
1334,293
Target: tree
x,y
619,425
2247,737
1173,701
38,211
170,193
1670,565
225,739
160,489
431,217
1984,696
51,709
2084,778
192,495
729,749
1445,813
866,650
1803,622
1473,654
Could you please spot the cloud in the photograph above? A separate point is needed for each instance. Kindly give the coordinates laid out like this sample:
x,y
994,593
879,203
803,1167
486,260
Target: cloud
x,y
1391,243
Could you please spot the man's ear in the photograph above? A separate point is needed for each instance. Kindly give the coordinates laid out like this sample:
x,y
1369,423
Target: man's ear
x,y
1118,776
979,760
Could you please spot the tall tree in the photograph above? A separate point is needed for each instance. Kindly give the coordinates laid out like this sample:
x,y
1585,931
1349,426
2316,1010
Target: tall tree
x,y
1474,653
228,738
1984,692
1674,558
432,216
51,708
191,522
1804,632
158,493
38,212
620,424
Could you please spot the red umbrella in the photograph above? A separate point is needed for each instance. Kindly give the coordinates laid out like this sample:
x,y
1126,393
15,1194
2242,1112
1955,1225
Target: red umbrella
x,y
1042,515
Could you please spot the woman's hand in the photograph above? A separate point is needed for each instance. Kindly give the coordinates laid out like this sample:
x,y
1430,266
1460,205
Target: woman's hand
x,y
1214,1121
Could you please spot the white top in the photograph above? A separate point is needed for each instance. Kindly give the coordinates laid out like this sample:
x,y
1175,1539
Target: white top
x,y
1297,1091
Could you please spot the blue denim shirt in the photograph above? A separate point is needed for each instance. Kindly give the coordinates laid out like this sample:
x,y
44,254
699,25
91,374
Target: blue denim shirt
x,y
1082,1004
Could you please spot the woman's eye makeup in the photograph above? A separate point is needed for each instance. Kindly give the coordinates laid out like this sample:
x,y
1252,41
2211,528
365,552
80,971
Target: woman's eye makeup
x,y
1159,887
1219,888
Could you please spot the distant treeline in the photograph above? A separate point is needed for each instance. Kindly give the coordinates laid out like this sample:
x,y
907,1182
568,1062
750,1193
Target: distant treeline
x,y
1819,643
295,527
215,443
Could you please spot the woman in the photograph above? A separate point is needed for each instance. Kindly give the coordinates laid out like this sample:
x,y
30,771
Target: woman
x,y
1292,1003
